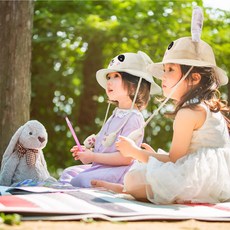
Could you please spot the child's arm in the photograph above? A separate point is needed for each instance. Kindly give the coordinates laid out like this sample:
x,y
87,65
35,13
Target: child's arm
x,y
128,148
115,159
185,123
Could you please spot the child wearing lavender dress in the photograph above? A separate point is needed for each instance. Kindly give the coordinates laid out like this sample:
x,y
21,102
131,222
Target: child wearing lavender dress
x,y
128,85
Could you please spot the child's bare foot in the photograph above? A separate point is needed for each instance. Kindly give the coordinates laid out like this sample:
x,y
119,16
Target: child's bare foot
x,y
118,188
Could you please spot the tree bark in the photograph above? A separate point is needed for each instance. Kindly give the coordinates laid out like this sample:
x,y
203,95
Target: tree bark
x,y
16,19
88,106
229,94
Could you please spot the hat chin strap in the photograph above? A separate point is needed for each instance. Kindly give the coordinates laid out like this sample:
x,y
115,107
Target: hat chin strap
x,y
109,139
138,132
107,112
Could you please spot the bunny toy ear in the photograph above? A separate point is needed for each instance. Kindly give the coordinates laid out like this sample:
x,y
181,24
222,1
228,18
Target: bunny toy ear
x,y
10,148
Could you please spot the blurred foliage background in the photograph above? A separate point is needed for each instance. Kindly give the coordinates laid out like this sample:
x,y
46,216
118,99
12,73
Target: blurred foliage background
x,y
74,39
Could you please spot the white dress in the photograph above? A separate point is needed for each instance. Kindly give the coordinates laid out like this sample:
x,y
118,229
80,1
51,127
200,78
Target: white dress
x,y
202,176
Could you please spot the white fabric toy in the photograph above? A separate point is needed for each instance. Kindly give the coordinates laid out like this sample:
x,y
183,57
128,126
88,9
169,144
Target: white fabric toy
x,y
23,159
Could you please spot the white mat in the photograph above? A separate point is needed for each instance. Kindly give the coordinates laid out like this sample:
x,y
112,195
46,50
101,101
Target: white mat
x,y
98,204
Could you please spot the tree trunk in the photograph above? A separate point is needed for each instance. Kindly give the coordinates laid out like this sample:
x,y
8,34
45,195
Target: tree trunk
x,y
229,94
16,19
88,106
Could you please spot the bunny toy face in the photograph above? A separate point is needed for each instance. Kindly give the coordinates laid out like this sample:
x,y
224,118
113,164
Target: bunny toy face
x,y
33,135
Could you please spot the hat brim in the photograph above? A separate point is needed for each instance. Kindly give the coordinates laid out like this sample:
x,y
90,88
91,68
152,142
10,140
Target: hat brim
x,y
155,68
101,78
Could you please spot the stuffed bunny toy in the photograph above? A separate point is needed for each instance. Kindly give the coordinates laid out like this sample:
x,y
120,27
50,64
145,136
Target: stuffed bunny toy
x,y
23,159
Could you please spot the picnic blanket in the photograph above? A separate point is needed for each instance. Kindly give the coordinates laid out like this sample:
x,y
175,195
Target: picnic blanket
x,y
42,203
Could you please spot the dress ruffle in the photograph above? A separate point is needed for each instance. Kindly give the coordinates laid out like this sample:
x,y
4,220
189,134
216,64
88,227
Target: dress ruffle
x,y
199,177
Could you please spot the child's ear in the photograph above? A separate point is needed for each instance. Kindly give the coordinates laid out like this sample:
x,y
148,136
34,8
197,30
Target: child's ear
x,y
196,77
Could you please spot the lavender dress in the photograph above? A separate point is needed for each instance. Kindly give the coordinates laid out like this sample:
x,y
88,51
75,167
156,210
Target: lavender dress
x,y
81,175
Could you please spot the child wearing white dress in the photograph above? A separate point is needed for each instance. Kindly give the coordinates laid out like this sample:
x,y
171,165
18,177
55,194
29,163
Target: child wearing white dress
x,y
197,167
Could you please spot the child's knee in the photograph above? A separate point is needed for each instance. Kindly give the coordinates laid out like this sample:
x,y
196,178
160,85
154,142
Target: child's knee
x,y
131,180
135,185
135,179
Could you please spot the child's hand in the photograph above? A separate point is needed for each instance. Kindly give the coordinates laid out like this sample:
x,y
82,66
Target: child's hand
x,y
85,157
76,149
147,147
125,146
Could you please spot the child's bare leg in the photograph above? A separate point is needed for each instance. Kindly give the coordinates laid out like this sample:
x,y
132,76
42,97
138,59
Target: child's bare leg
x,y
118,188
135,185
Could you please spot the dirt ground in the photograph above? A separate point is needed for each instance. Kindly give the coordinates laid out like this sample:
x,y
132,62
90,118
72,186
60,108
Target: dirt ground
x,y
105,225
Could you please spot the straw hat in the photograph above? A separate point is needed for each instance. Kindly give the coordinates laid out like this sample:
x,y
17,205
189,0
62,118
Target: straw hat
x,y
132,63
184,51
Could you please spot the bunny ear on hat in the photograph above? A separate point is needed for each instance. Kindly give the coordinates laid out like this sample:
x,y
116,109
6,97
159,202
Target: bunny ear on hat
x,y
11,146
197,23
145,57
191,51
